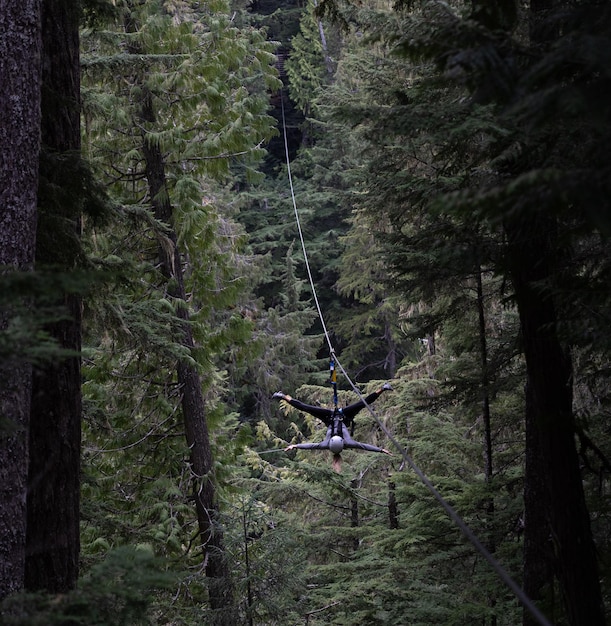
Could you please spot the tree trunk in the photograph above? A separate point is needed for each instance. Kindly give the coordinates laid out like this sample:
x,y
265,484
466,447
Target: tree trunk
x,y
550,426
20,47
538,576
220,586
485,390
53,533
485,383
323,43
390,364
393,509
557,530
354,512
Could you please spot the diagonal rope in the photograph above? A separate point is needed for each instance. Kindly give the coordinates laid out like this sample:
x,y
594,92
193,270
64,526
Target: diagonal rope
x,y
452,514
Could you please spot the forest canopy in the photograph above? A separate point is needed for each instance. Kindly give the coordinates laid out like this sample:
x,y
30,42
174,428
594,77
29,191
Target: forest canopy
x,y
212,212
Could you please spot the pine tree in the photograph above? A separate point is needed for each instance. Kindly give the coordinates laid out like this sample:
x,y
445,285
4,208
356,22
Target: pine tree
x,y
491,130
195,109
20,72
53,511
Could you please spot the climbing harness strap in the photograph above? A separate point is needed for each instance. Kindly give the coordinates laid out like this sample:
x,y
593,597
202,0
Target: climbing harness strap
x,y
333,378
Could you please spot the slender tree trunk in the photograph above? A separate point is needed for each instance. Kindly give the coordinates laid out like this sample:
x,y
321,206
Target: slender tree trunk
x,y
20,53
249,593
220,586
391,354
323,43
550,425
485,382
485,387
53,533
393,509
354,512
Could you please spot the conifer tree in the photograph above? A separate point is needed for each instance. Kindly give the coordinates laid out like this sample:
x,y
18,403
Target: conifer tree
x,y
190,105
20,76
456,187
53,510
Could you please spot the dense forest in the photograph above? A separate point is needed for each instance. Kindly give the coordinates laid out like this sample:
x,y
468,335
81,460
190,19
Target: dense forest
x,y
211,208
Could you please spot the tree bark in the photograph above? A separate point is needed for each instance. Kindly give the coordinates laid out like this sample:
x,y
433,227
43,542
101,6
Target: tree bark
x,y
393,509
53,503
557,533
537,556
20,51
485,390
354,512
220,585
485,381
550,426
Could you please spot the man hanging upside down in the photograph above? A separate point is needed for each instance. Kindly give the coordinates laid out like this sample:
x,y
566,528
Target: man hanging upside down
x,y
337,421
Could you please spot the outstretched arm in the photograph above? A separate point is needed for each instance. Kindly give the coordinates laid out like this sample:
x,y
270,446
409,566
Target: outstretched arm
x,y
349,442
321,445
358,445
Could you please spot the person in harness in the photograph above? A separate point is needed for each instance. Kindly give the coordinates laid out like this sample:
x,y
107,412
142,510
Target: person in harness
x,y
337,420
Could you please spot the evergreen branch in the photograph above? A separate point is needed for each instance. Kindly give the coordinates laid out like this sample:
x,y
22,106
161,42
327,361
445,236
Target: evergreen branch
x,y
324,608
135,443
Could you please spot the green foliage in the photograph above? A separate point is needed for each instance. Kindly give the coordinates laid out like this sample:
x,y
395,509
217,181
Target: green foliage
x,y
118,591
32,297
205,83
423,570
308,66
402,207
464,130
268,556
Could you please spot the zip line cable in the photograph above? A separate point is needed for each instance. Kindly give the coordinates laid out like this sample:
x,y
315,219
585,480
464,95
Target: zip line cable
x,y
455,517
452,514
303,247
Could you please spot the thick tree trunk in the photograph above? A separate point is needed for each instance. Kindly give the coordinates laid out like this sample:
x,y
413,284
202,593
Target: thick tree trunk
x,y
538,576
551,427
20,47
220,586
53,532
557,534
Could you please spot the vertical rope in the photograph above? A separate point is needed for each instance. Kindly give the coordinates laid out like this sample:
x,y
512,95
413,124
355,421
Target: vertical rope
x,y
305,254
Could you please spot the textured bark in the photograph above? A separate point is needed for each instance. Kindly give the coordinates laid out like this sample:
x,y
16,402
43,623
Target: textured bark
x,y
354,512
538,575
485,390
558,535
53,535
485,382
556,489
19,140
